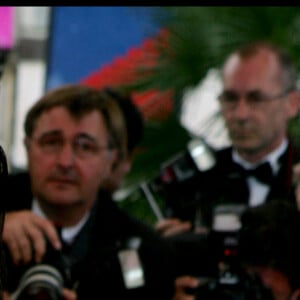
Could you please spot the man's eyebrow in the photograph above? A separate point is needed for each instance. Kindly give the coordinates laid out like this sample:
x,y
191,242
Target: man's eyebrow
x,y
54,132
85,136
58,132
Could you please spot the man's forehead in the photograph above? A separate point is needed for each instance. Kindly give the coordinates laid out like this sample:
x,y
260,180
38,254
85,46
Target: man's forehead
x,y
60,119
61,112
259,67
236,59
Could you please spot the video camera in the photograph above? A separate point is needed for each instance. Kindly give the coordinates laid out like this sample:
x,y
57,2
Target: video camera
x,y
230,281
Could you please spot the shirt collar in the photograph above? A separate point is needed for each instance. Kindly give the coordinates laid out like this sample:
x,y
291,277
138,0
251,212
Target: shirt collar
x,y
68,234
272,158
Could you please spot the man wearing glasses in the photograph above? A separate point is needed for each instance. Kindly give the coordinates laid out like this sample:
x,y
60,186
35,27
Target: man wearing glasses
x,y
58,214
259,97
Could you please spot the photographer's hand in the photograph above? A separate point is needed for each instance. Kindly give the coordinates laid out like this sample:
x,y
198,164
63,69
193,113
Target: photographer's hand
x,y
172,226
181,284
69,294
24,234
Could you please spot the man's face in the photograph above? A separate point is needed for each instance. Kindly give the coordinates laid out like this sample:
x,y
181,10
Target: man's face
x,y
255,127
68,159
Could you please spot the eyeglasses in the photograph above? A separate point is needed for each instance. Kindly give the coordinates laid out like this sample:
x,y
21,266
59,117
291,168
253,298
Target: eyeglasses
x,y
255,99
83,146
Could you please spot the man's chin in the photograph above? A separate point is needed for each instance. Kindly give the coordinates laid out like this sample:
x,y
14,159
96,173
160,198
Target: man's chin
x,y
244,146
61,197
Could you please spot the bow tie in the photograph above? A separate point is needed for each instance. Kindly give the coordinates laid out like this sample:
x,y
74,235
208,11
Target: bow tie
x,y
262,172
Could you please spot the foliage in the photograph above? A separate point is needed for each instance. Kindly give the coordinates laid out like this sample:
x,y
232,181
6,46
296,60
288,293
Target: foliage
x,y
161,140
200,38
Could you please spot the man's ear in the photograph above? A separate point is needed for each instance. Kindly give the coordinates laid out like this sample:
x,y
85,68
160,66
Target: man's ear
x,y
26,143
115,158
293,103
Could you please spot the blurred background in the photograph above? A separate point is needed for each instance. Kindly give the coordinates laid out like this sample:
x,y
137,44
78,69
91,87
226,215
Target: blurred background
x,y
168,58
44,47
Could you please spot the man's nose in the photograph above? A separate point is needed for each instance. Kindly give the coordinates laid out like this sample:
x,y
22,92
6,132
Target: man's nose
x,y
66,155
242,107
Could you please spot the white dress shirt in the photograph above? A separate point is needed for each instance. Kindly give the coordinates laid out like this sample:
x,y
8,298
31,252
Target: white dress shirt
x,y
68,234
258,190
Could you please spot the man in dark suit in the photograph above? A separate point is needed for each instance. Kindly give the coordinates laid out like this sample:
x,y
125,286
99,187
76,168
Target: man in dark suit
x,y
259,97
59,215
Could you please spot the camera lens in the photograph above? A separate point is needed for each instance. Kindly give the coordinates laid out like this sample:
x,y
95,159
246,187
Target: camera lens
x,y
40,282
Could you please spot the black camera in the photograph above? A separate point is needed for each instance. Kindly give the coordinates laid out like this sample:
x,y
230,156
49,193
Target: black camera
x,y
42,281
230,281
198,156
174,174
45,280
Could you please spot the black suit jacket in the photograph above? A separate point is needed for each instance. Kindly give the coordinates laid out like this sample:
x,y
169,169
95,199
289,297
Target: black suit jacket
x,y
224,184
93,257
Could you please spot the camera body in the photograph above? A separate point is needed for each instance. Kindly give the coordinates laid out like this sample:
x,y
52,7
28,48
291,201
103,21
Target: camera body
x,y
231,281
198,157
172,185
44,280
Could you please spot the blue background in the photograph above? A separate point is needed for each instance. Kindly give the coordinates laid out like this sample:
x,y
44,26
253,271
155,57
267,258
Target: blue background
x,y
84,39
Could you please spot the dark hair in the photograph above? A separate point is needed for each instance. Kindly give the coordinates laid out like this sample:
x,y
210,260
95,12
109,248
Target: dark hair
x,y
288,70
133,117
270,237
80,100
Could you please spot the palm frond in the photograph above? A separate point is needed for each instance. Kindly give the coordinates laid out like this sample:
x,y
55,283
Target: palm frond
x,y
200,38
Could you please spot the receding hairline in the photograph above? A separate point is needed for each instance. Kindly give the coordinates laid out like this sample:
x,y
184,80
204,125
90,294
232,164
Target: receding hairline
x,y
286,68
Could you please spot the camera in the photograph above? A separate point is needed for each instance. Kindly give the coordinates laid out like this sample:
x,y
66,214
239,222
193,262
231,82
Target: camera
x,y
45,280
150,200
175,176
198,156
40,282
230,281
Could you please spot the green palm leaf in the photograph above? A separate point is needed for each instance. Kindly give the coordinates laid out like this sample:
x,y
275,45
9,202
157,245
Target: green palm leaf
x,y
200,38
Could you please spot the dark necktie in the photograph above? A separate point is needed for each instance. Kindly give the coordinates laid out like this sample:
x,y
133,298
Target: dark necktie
x,y
262,172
